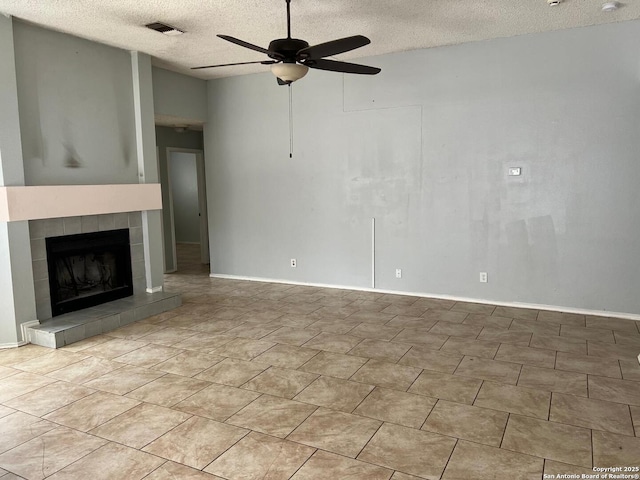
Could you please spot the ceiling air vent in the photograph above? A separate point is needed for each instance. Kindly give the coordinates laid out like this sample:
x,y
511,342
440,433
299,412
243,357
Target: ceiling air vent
x,y
164,28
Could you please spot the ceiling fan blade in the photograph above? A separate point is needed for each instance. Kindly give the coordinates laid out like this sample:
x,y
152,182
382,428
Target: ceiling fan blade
x,y
263,62
333,47
244,44
344,67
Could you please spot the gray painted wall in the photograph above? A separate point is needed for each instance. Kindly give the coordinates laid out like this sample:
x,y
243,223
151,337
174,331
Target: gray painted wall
x,y
76,109
168,137
424,147
183,176
177,95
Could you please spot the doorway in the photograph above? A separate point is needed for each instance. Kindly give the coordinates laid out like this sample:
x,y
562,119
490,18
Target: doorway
x,y
188,209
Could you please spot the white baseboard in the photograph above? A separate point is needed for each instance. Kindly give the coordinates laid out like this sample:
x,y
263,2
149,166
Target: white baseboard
x,y
12,345
535,306
155,289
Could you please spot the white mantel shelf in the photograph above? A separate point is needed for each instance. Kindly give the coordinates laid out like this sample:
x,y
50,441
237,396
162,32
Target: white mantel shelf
x,y
55,201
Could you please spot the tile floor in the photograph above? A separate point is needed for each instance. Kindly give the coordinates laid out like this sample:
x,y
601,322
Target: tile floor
x,y
270,381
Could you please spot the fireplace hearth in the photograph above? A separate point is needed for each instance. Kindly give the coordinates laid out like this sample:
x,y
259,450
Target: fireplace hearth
x,y
88,269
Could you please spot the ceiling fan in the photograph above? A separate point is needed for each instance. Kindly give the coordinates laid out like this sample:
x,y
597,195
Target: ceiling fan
x,y
291,58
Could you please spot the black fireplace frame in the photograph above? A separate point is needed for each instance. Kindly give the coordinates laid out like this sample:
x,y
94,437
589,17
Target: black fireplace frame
x,y
85,243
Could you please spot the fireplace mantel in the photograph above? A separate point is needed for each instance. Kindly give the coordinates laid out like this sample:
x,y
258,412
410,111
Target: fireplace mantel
x,y
56,201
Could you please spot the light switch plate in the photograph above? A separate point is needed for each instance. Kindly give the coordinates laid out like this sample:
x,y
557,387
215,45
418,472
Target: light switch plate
x,y
515,171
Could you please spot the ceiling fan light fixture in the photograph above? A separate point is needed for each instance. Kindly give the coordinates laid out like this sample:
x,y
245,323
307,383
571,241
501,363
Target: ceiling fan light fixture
x,y
289,72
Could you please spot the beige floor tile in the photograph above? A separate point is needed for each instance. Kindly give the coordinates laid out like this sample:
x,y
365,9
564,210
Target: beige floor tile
x,y
85,370
168,390
613,390
243,348
420,337
259,456
204,342
334,364
291,336
500,335
514,312
135,331
113,348
612,351
286,356
272,415
4,411
611,450
635,417
21,383
7,372
625,337
562,318
44,455
554,468
212,326
168,336
431,360
591,413
91,411
335,432
494,321
44,364
561,344
252,330
373,317
188,364
448,387
332,342
434,303
334,393
469,307
196,442
396,407
175,471
473,461
325,465
594,334
525,355
374,331
474,348
534,326
232,372
296,321
280,382
403,476
475,424
556,441
402,448
13,356
407,310
99,464
141,425
387,375
148,356
610,323
492,370
19,427
456,329
217,402
520,400
572,362
49,398
446,316
402,321
380,350
553,380
333,325
124,380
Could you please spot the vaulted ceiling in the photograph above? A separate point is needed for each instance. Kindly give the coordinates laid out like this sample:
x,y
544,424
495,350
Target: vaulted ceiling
x,y
392,25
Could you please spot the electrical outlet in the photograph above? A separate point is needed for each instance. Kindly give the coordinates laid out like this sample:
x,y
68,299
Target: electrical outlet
x,y
483,277
398,273
515,171
294,263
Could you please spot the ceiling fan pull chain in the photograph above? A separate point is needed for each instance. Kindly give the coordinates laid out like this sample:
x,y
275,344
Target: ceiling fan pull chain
x,y
290,123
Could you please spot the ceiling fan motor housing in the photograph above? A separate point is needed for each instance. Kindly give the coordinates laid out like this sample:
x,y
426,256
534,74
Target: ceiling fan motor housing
x,y
287,48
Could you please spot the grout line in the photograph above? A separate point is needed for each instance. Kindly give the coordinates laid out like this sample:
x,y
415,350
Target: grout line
x,y
506,425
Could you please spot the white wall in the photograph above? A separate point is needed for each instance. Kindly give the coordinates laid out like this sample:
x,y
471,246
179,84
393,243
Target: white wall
x,y
424,147
178,95
76,109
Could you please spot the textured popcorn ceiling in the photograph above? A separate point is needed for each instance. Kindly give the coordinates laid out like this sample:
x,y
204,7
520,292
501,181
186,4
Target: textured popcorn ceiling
x,y
392,25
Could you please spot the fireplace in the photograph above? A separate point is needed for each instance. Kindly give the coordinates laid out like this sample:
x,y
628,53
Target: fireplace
x,y
88,269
